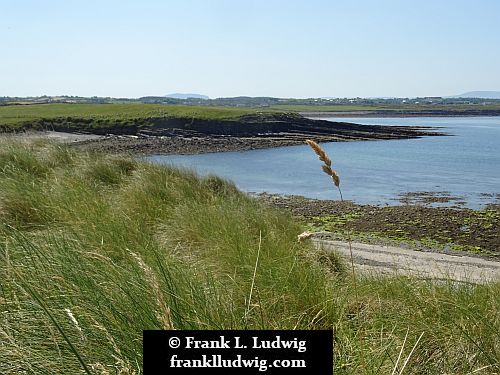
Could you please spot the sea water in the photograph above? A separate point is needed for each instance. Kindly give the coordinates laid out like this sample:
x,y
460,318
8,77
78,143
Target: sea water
x,y
465,164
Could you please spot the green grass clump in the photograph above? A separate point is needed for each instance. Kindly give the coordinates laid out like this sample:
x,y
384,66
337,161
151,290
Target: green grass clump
x,y
94,249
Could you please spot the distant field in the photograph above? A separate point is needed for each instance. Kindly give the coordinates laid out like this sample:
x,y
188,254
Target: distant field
x,y
137,114
403,107
17,115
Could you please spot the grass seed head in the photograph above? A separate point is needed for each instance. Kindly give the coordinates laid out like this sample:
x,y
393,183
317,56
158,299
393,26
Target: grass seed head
x,y
335,178
320,152
327,167
327,170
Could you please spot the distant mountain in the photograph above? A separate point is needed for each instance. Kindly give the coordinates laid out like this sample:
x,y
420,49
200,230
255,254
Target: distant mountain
x,y
187,96
479,94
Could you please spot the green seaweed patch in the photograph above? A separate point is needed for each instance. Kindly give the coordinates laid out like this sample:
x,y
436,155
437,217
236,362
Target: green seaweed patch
x,y
329,223
397,234
437,228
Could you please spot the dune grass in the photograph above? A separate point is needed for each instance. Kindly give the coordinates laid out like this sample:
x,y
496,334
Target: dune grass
x,y
94,249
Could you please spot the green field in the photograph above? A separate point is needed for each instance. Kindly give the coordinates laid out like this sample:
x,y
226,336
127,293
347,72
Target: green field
x,y
13,116
94,249
18,116
35,116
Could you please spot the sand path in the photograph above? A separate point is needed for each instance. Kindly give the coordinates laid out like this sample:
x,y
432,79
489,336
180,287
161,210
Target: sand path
x,y
63,137
399,261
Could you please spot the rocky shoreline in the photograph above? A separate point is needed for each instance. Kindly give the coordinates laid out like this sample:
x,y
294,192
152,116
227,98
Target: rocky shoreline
x,y
419,226
182,135
247,133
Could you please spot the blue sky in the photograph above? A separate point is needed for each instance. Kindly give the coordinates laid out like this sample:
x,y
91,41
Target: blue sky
x,y
308,48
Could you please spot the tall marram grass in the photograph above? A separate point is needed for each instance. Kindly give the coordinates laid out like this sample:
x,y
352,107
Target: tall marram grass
x,y
94,249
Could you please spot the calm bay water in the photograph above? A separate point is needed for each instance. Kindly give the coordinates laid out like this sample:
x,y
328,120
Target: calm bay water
x,y
465,164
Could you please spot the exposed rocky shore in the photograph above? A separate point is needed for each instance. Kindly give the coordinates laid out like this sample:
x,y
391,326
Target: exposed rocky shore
x,y
418,225
265,130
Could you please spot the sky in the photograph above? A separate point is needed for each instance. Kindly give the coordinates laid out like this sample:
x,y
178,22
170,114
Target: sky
x,y
224,48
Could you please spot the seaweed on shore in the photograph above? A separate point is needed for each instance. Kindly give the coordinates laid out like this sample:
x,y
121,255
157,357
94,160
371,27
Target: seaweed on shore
x,y
431,228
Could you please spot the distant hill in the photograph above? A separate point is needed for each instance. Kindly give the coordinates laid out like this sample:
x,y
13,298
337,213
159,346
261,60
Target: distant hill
x,y
187,96
479,94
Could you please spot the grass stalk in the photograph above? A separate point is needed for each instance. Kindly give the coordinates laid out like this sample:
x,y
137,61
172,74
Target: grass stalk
x,y
247,310
349,240
327,168
409,355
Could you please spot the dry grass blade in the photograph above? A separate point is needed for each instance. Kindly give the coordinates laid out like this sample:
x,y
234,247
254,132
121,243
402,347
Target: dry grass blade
x,y
75,322
59,327
480,369
400,353
247,310
409,355
163,314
